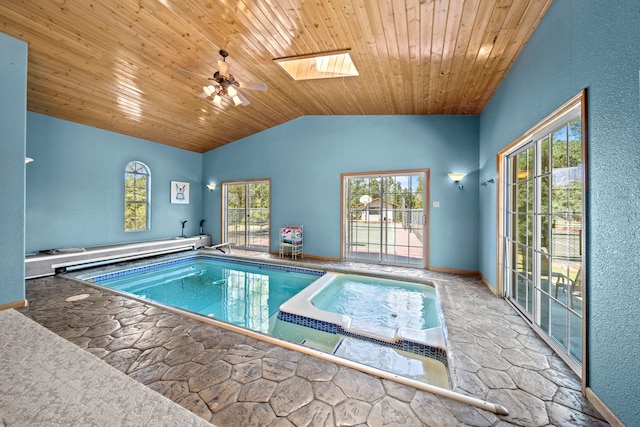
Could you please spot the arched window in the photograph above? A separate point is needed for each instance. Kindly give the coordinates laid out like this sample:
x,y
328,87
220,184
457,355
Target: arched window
x,y
137,197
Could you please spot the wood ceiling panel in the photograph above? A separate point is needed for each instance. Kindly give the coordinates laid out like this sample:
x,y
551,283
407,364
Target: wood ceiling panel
x,y
113,64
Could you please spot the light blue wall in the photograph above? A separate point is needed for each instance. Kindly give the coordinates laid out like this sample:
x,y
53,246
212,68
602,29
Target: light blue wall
x,y
595,45
75,186
305,158
13,90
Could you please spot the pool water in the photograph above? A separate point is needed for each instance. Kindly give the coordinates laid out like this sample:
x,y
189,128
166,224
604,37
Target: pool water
x,y
380,303
239,293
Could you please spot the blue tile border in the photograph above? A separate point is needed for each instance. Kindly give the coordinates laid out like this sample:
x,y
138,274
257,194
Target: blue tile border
x,y
130,271
405,345
162,264
318,325
318,273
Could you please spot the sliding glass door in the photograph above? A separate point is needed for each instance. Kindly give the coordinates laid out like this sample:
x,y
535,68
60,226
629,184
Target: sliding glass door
x,y
544,239
246,214
384,218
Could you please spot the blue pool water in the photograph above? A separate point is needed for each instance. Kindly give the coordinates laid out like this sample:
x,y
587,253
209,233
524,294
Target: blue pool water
x,y
386,303
242,293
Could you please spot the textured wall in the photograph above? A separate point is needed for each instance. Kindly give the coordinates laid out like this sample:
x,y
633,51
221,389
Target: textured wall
x,y
75,186
304,159
595,45
13,106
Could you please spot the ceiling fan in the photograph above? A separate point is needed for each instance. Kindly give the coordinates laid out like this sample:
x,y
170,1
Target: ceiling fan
x,y
224,84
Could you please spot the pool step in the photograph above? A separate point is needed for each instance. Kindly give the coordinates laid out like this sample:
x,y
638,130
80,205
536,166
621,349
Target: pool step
x,y
326,347
429,342
420,368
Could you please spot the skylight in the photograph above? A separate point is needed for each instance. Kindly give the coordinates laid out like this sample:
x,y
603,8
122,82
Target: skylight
x,y
325,65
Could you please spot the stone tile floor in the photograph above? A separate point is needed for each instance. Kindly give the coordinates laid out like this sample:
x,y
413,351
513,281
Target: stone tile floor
x,y
234,380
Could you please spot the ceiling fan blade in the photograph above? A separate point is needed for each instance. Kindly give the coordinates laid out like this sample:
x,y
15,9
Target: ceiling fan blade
x,y
191,73
223,68
253,86
244,100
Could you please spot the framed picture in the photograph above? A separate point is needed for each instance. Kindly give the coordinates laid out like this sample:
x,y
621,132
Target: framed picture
x,y
180,192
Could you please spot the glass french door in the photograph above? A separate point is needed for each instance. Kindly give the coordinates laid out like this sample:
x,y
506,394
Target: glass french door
x,y
544,239
384,217
246,214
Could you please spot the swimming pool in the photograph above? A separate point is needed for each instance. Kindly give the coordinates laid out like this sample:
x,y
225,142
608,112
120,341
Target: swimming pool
x,y
238,292
299,305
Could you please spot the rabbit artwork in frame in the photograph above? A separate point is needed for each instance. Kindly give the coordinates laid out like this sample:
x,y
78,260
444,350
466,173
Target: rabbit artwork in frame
x,y
180,192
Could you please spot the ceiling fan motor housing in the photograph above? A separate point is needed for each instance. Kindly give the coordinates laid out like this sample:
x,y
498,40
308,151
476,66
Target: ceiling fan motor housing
x,y
224,82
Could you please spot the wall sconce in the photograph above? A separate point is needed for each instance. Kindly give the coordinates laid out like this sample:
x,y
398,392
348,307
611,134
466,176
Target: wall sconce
x,y
211,187
28,160
456,177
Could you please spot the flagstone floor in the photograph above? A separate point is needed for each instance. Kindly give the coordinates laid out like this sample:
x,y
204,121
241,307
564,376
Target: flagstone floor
x,y
230,379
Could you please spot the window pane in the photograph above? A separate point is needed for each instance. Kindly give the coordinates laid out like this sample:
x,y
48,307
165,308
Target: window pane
x,y
559,147
544,312
522,171
515,256
559,279
545,272
141,195
512,169
514,283
575,337
141,211
522,291
575,143
522,258
141,182
128,223
522,228
530,196
544,188
559,196
559,324
545,236
136,200
575,198
519,198
543,144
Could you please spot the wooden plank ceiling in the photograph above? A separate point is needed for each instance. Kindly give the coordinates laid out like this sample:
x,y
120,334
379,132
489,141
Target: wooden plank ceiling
x,y
112,64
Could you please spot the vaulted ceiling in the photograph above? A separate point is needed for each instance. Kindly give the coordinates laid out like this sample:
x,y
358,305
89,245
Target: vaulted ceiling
x,y
113,64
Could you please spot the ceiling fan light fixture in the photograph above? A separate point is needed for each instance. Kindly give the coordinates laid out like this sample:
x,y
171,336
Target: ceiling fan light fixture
x,y
225,84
